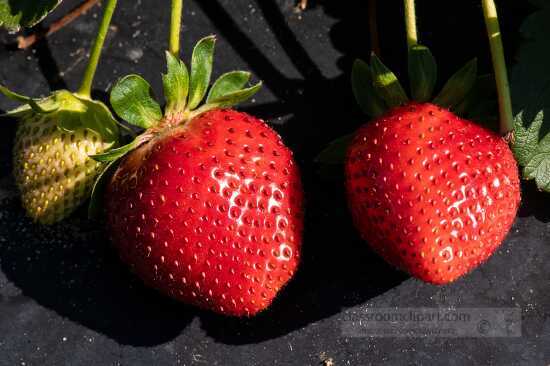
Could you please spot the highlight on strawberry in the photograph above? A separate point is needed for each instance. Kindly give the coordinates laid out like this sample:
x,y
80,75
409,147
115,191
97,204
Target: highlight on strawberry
x,y
206,204
433,193
54,137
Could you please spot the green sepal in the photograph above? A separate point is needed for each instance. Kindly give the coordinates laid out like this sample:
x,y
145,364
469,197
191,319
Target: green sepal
x,y
458,86
71,111
98,190
201,70
24,13
228,83
42,106
484,89
481,103
335,152
77,112
133,101
422,73
386,83
228,100
119,152
236,97
176,84
363,89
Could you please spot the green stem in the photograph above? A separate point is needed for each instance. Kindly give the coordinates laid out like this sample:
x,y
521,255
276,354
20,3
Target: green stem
x,y
499,64
410,23
86,85
175,27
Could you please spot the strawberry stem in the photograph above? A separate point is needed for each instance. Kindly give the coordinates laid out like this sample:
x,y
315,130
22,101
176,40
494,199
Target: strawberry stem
x,y
410,23
373,28
499,64
175,27
86,85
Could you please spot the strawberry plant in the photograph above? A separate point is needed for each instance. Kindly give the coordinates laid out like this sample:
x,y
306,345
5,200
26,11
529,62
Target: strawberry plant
x,y
206,204
433,193
54,137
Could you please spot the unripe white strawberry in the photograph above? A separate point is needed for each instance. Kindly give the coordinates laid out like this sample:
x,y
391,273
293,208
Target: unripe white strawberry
x,y
51,162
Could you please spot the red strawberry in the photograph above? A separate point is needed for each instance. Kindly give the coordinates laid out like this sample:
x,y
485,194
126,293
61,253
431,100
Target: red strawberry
x,y
210,212
432,193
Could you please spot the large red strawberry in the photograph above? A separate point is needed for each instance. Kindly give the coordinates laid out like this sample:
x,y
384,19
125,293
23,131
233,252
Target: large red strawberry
x,y
207,207
432,193
210,212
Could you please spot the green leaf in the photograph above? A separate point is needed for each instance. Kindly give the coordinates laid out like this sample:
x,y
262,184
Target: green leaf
x,y
176,84
228,83
530,82
119,152
526,140
98,190
228,100
132,99
422,73
43,106
538,167
335,152
15,14
458,86
386,84
201,70
363,89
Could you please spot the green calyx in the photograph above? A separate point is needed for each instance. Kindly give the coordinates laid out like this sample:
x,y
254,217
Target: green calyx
x,y
377,89
71,112
133,100
132,97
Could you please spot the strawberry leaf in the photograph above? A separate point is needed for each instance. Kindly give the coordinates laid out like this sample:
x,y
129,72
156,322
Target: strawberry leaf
x,y
228,83
386,84
176,84
422,73
363,89
531,97
132,99
24,13
458,86
526,139
201,70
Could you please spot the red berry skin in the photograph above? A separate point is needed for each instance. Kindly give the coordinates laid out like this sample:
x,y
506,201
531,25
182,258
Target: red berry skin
x,y
432,193
210,213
